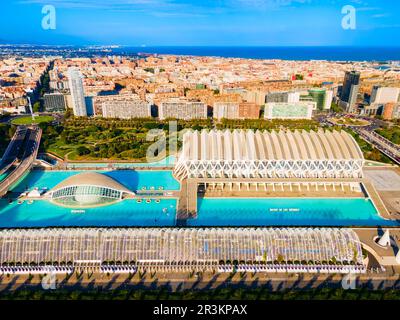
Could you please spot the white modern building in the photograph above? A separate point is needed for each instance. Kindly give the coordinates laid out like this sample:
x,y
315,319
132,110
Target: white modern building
x,y
88,189
77,92
261,154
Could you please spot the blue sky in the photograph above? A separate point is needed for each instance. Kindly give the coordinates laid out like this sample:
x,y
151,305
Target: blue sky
x,y
202,22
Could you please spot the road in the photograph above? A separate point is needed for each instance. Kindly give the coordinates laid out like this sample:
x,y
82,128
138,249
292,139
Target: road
x,y
23,160
382,144
182,281
13,150
368,134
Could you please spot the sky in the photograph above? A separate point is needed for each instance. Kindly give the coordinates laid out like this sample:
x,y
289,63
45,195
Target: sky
x,y
202,22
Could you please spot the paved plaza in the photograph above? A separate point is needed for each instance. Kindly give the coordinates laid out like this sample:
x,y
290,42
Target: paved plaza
x,y
384,180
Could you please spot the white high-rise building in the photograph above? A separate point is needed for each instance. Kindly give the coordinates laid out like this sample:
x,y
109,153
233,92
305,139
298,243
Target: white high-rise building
x,y
77,93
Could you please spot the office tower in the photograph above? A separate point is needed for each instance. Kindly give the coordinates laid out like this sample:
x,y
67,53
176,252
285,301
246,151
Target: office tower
x,y
77,94
351,85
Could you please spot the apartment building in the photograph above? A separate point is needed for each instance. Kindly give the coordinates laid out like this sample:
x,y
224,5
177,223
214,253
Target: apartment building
x,y
121,106
182,109
54,102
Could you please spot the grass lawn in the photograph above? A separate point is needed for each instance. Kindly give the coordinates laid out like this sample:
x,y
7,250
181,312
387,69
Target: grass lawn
x,y
28,120
350,121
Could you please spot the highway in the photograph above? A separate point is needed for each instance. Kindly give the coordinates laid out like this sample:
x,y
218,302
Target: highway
x,y
368,134
21,153
13,149
382,144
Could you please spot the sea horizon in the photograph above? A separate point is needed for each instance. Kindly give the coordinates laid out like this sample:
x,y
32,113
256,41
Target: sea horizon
x,y
331,53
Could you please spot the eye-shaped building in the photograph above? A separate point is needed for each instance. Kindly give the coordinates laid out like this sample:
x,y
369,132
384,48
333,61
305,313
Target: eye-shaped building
x,y
88,189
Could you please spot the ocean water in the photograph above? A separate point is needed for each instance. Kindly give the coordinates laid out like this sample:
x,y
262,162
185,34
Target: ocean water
x,y
286,53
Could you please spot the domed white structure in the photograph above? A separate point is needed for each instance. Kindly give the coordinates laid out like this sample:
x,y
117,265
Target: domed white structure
x,y
88,189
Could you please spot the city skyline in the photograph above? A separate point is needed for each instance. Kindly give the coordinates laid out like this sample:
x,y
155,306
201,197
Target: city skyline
x,y
202,23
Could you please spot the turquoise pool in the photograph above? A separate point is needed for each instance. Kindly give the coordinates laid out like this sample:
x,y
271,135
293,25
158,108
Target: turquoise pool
x,y
127,213
287,212
134,180
211,212
42,213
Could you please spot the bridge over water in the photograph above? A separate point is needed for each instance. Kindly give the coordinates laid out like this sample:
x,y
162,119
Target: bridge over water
x,y
19,156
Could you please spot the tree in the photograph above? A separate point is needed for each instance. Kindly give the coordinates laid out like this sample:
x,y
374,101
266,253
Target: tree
x,y
82,150
36,107
299,77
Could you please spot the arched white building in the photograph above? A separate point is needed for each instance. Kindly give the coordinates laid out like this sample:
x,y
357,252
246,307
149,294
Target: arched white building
x,y
262,154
